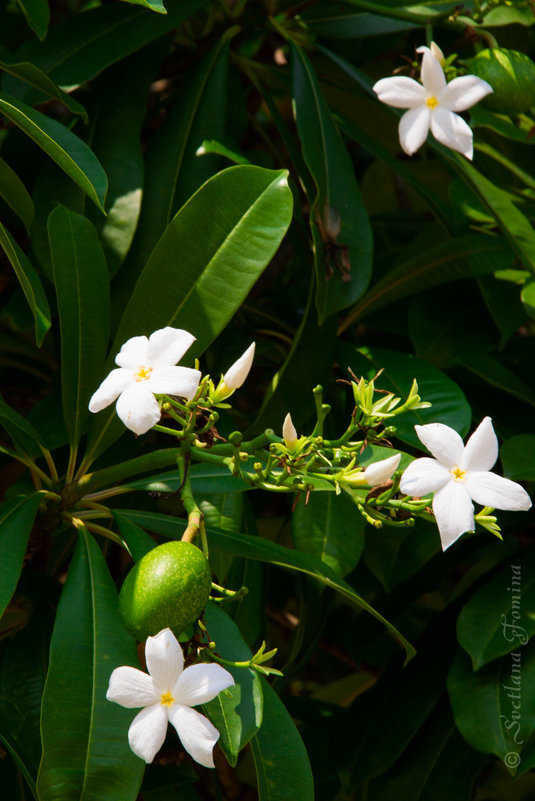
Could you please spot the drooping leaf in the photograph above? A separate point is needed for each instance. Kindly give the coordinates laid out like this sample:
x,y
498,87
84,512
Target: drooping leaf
x,y
30,283
394,555
81,279
22,432
16,521
64,147
85,743
13,191
37,15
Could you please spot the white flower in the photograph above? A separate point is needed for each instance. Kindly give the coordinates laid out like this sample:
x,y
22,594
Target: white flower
x,y
375,474
432,105
289,434
168,695
146,367
458,475
236,375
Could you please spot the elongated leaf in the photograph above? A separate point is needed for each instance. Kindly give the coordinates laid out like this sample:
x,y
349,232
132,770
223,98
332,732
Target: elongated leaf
x,y
16,521
23,434
340,225
393,555
452,260
138,541
85,745
205,478
10,722
37,15
282,767
236,713
85,44
67,150
81,279
491,623
15,194
30,283
263,550
494,708
449,405
154,5
344,24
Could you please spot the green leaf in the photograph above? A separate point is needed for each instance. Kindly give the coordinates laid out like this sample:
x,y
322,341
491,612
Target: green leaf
x,y
83,45
64,147
494,708
491,623
10,722
81,279
331,527
23,434
263,550
31,74
30,283
85,743
449,405
340,225
518,131
37,15
518,457
16,521
451,260
205,479
154,5
341,23
13,191
282,767
394,555
236,712
138,541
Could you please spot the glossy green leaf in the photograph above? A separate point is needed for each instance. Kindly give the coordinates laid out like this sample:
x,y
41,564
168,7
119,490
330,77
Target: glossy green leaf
x,y
81,279
138,541
37,15
341,23
15,194
517,130
518,457
237,712
21,431
263,550
85,44
16,521
30,283
394,555
451,260
494,708
31,74
282,767
85,744
492,622
64,147
449,405
340,225
154,5
205,478
331,527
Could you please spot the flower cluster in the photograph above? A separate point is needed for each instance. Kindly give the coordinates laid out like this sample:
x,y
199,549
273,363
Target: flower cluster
x,y
432,104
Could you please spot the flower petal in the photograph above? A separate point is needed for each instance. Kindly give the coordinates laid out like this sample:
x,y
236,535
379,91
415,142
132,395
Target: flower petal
x,y
433,77
379,472
138,408
196,733
442,442
489,489
198,684
181,381
110,389
413,129
147,731
165,660
454,512
238,372
400,92
424,476
481,450
451,130
134,353
131,688
168,345
463,92
289,434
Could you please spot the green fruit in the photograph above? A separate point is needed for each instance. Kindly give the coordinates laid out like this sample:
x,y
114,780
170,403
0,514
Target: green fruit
x,y
512,77
167,588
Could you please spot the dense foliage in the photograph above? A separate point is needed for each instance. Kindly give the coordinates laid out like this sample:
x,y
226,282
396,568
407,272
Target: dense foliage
x,y
225,167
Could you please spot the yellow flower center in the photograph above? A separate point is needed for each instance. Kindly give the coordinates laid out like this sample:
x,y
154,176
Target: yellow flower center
x,y
457,473
167,699
143,374
432,102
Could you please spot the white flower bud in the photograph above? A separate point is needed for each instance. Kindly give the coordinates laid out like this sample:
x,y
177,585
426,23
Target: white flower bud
x,y
289,433
238,372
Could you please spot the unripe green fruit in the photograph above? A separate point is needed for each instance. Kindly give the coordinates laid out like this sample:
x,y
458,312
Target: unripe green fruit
x,y
167,588
512,77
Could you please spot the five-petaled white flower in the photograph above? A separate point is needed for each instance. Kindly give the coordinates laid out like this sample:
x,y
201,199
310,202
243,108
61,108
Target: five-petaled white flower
x,y
432,105
168,695
146,367
375,474
458,475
